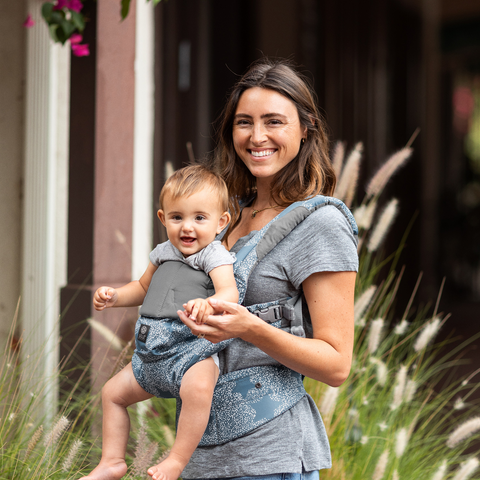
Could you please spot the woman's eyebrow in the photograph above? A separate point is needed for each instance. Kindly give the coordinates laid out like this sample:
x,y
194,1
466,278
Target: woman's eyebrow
x,y
265,115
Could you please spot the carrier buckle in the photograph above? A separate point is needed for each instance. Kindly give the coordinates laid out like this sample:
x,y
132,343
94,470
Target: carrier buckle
x,y
270,314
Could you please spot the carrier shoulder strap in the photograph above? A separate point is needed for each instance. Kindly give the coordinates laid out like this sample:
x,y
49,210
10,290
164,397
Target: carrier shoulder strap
x,y
285,313
276,230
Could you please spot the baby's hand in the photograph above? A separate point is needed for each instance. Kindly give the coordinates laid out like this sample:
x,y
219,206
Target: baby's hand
x,y
104,297
198,309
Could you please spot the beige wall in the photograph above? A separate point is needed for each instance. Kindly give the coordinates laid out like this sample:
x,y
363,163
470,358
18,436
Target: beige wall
x,y
12,78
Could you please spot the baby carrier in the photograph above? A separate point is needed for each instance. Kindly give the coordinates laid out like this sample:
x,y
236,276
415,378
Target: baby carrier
x,y
244,400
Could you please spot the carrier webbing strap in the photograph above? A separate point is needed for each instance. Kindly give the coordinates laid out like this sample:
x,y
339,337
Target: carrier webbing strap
x,y
246,399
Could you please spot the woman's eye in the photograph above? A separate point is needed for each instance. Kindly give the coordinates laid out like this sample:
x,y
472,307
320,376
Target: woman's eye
x,y
242,122
275,122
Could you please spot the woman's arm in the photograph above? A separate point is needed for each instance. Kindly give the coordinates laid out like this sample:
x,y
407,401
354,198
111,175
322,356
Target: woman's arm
x,y
325,357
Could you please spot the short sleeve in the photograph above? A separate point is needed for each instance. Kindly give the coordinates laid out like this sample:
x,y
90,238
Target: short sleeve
x,y
164,252
212,256
323,242
158,253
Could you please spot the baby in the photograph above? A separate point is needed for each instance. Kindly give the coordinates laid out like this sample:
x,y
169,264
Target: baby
x,y
169,361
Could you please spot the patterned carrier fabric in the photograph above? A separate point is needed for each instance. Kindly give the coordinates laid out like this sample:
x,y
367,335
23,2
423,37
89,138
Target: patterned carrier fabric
x,y
246,399
169,351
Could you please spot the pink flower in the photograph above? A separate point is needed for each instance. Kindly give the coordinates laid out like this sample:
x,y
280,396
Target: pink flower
x,y
60,4
75,39
29,22
75,5
80,50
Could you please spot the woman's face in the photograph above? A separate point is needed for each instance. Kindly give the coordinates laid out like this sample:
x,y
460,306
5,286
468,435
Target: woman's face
x,y
266,131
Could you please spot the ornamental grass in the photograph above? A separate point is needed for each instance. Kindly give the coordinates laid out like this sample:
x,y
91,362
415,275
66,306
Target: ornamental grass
x,y
403,413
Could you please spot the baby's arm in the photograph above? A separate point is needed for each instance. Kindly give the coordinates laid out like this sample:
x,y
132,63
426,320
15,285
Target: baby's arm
x,y
130,295
225,289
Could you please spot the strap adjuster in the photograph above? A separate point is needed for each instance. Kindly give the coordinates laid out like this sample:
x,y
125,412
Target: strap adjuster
x,y
270,314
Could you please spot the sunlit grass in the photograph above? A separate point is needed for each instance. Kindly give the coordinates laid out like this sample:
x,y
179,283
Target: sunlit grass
x,y
403,413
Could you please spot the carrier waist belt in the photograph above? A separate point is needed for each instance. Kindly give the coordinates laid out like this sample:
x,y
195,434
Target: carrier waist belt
x,y
246,399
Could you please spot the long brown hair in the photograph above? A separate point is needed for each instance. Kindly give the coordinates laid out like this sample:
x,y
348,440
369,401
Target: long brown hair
x,y
310,173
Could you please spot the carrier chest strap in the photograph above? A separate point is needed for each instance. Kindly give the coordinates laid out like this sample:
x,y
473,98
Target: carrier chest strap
x,y
285,313
275,312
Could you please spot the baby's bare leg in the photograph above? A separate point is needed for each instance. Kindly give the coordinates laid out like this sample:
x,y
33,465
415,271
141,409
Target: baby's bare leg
x,y
118,393
196,393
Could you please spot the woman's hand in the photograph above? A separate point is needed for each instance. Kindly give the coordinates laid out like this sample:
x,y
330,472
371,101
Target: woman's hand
x,y
325,357
230,320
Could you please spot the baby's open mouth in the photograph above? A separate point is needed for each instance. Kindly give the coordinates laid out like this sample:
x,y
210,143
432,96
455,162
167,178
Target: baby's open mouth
x,y
188,240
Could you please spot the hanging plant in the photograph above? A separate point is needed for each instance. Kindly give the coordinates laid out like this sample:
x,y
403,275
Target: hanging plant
x,y
66,22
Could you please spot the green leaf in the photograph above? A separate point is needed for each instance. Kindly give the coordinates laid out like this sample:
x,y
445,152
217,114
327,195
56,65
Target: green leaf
x,y
155,2
68,28
53,32
125,9
47,9
57,17
78,20
61,35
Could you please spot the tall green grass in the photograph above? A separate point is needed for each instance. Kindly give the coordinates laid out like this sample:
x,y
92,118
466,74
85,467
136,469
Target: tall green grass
x,y
402,414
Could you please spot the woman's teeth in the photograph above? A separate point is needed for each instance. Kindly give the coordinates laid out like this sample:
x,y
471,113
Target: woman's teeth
x,y
263,153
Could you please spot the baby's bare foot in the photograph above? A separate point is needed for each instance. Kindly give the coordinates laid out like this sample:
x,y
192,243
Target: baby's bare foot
x,y
108,471
169,469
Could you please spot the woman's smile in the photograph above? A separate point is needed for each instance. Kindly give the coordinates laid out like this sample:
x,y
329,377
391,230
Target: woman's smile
x,y
261,153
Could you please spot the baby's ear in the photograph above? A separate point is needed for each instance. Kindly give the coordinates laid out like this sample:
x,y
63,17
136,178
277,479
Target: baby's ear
x,y
161,216
223,221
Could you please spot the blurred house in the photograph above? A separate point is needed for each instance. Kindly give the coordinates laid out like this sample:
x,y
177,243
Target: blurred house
x,y
87,142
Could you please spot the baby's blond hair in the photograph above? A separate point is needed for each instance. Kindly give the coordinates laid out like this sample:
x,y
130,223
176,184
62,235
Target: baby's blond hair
x,y
190,180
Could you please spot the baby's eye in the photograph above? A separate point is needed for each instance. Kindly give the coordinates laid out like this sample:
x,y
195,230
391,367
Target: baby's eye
x,y
199,218
176,217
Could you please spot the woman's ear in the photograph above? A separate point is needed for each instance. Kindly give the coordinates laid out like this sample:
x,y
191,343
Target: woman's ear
x,y
223,221
161,216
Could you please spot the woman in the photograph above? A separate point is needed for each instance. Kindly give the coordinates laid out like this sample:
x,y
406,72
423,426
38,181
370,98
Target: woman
x,y
273,151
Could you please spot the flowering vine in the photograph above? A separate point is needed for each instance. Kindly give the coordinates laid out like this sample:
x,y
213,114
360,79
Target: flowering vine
x,y
66,22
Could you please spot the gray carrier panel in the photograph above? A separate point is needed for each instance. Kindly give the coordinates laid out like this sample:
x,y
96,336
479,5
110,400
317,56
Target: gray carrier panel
x,y
173,284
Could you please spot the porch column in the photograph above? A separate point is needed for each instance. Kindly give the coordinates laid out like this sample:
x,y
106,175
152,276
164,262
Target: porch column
x,y
45,205
113,172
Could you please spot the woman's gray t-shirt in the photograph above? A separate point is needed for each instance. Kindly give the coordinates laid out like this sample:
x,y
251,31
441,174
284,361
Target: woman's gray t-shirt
x,y
294,441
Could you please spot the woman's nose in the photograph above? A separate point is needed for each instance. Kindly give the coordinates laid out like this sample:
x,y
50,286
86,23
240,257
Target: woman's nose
x,y
258,134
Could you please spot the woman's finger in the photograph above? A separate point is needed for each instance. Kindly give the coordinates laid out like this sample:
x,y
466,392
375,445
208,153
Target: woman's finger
x,y
195,327
221,306
210,333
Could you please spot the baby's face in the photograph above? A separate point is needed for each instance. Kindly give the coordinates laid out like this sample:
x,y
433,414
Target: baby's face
x,y
193,222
